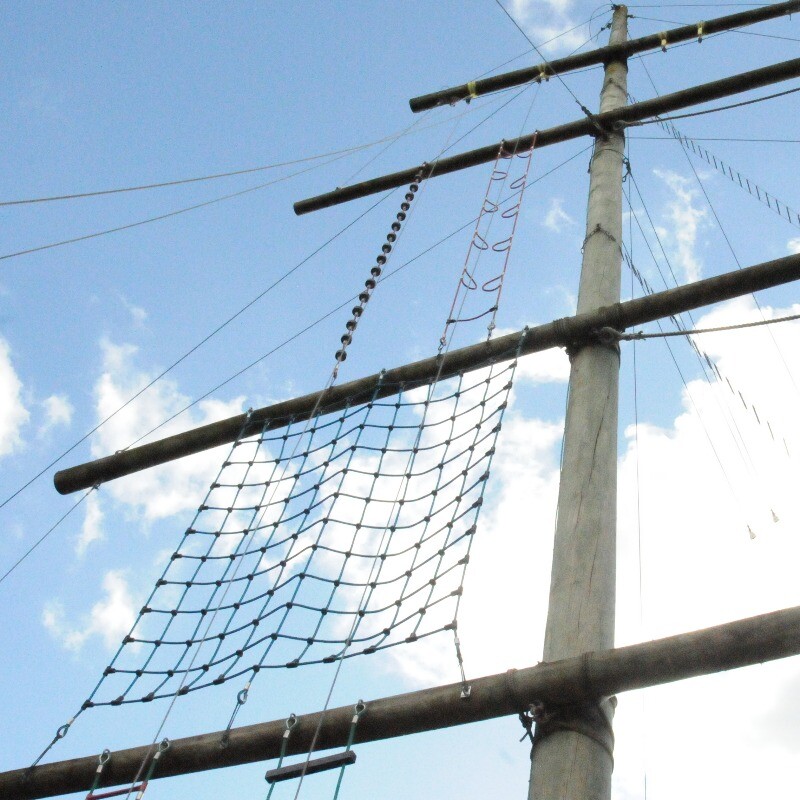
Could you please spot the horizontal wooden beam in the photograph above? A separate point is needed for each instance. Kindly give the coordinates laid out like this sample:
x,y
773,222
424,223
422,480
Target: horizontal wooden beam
x,y
560,66
560,333
562,133
588,677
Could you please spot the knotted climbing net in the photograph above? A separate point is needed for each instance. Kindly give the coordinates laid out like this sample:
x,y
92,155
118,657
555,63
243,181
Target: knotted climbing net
x,y
332,538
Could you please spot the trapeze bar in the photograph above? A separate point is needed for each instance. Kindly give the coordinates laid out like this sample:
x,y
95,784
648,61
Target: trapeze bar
x,y
607,121
573,680
310,767
560,333
602,55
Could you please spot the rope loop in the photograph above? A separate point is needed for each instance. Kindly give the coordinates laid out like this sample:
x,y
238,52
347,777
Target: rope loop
x,y
479,242
471,284
493,284
102,760
502,245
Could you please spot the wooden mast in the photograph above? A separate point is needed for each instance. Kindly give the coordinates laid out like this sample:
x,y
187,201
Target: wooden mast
x,y
573,749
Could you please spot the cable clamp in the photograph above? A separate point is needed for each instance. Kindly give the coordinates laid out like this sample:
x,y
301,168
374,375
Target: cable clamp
x,y
526,719
63,730
542,76
700,31
601,131
472,91
627,337
663,37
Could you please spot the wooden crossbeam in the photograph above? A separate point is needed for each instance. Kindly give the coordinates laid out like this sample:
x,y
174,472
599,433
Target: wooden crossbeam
x,y
602,55
559,333
562,133
573,680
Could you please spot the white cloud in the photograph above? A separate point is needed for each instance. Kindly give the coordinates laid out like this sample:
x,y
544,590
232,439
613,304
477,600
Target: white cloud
x,y
556,218
110,619
58,411
549,366
138,314
544,20
13,414
793,245
171,488
685,221
92,529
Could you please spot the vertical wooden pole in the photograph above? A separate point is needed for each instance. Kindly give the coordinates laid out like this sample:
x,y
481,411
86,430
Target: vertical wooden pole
x,y
572,755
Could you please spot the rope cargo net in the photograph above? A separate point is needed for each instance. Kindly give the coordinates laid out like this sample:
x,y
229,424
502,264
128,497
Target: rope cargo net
x,y
333,537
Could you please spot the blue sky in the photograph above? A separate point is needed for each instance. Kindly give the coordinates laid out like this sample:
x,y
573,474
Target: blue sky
x,y
104,96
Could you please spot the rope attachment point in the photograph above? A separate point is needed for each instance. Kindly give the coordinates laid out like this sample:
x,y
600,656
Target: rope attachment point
x,y
140,788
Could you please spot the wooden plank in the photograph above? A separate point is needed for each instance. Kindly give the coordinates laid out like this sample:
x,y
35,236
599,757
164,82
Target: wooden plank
x,y
310,767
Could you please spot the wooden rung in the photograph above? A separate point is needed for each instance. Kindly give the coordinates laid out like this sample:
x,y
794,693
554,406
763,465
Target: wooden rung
x,y
115,792
313,765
